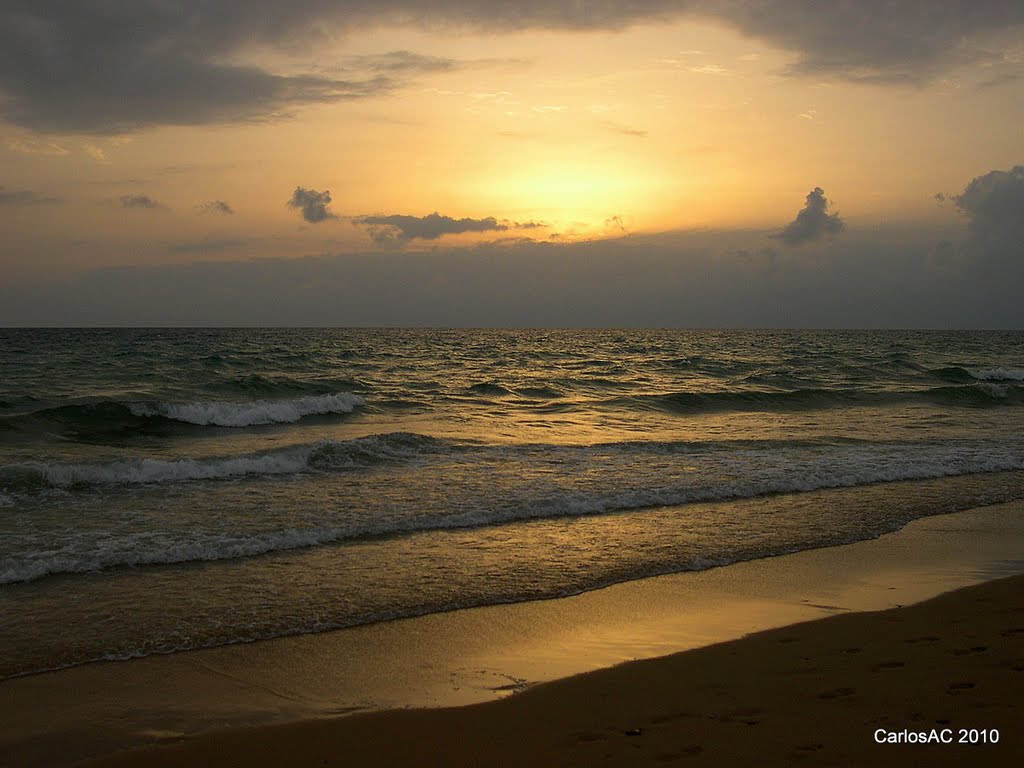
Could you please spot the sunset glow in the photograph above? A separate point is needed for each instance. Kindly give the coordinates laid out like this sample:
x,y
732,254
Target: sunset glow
x,y
566,126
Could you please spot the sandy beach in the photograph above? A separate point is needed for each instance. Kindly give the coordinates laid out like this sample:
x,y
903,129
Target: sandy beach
x,y
818,693
833,671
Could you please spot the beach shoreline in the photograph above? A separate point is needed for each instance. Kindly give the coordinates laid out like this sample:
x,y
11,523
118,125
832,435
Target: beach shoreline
x,y
481,654
935,683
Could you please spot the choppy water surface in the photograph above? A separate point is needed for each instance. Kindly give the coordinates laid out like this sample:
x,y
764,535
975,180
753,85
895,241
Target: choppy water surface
x,y
169,489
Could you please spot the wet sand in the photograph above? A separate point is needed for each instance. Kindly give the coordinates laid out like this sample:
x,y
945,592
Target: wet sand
x,y
775,696
817,693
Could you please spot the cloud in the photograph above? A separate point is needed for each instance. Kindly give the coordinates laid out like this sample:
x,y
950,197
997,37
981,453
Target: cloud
x,y
626,130
124,65
25,197
206,246
138,201
96,153
430,227
689,279
615,222
312,204
875,41
812,222
403,61
994,206
33,147
216,206
118,66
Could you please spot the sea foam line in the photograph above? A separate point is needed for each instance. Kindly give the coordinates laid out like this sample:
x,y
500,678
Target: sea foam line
x,y
87,552
321,455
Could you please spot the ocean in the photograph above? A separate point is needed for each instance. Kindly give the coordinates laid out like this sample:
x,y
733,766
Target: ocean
x,y
171,489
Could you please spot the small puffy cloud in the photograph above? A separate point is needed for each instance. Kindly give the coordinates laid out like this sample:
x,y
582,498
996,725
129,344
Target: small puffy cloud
x,y
430,227
994,206
216,206
24,197
312,204
813,222
138,201
615,222
96,153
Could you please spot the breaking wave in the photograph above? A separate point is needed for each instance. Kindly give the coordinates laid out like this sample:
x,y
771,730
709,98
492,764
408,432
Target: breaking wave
x,y
322,455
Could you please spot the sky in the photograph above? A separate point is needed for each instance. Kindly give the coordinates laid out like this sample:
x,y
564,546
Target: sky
x,y
772,163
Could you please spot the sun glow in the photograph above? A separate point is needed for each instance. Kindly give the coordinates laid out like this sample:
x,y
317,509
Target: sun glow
x,y
577,197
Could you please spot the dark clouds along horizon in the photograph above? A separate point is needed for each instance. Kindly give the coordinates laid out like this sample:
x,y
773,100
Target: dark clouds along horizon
x,y
684,279
125,65
693,280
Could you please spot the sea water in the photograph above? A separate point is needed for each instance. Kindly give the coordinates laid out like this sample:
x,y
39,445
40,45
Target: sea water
x,y
163,490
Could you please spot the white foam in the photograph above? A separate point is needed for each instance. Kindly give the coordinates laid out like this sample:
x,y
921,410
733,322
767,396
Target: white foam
x,y
252,413
153,548
140,471
995,390
998,374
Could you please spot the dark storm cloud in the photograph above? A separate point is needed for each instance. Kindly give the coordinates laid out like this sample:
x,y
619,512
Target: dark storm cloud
x,y
430,227
312,204
813,222
24,197
216,206
122,65
994,206
112,67
879,41
138,201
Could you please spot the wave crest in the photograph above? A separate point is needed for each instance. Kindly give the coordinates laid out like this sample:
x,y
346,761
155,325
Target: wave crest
x,y
322,455
251,413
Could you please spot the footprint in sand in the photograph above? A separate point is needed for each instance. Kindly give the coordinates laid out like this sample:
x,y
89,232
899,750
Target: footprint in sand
x,y
837,693
889,665
972,649
953,687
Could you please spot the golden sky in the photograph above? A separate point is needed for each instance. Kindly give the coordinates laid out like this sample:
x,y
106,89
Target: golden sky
x,y
146,133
